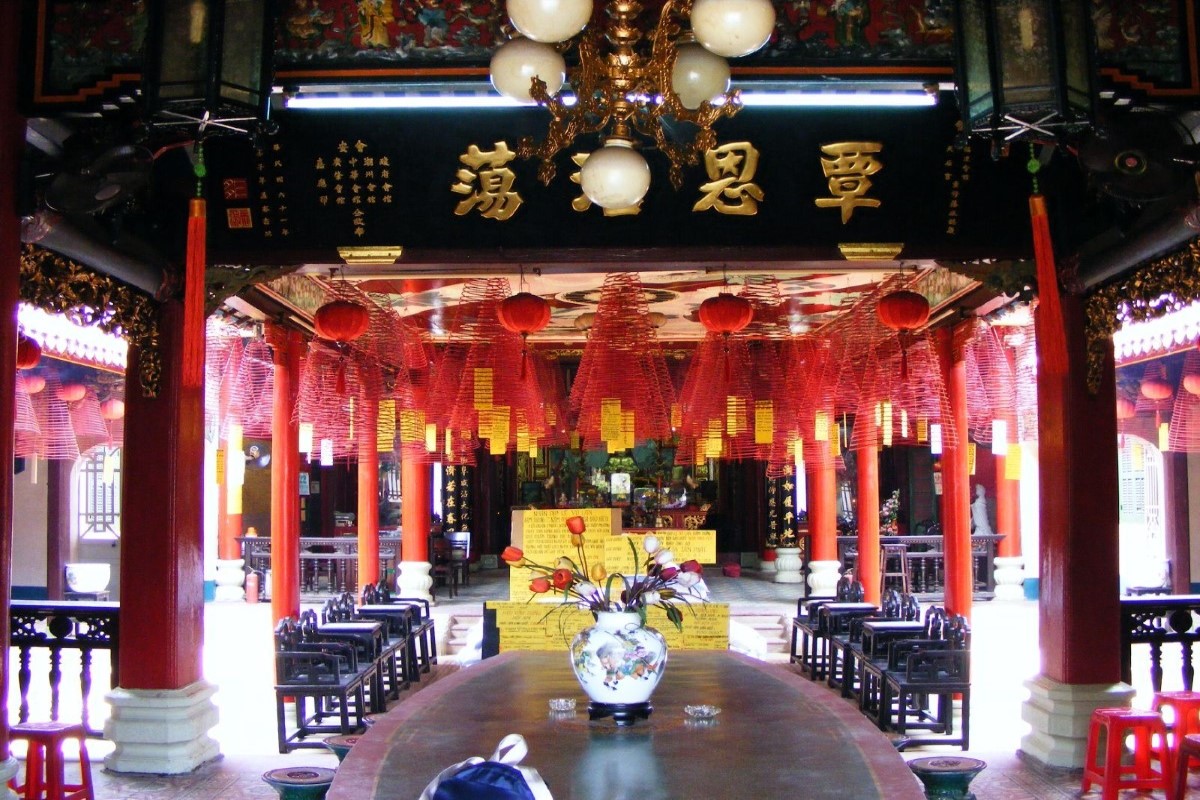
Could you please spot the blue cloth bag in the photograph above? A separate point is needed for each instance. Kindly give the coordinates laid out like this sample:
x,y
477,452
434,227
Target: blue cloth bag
x,y
497,778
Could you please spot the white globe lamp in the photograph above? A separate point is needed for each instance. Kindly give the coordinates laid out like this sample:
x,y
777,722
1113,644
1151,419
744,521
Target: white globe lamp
x,y
615,176
549,20
733,28
518,61
698,75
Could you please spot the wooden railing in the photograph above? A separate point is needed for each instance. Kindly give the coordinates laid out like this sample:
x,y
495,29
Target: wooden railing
x,y
1158,620
55,627
927,563
327,563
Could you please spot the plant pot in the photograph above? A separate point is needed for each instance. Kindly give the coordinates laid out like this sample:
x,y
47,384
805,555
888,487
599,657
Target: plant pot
x,y
618,662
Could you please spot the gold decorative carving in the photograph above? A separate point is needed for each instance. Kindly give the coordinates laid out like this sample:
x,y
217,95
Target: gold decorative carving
x,y
871,251
222,281
387,254
1139,297
59,285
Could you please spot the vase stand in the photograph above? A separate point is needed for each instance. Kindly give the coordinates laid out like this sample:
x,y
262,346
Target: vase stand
x,y
624,714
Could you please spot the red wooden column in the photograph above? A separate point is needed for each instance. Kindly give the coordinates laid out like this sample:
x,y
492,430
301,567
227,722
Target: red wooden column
x,y
956,502
285,475
1078,551
162,710
1008,509
822,521
867,512
415,514
368,498
12,143
231,502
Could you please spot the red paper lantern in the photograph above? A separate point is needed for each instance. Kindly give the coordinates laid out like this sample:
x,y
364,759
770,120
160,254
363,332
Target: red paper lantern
x,y
341,321
72,392
1156,389
726,313
29,352
112,408
524,313
32,384
1126,408
1191,383
903,310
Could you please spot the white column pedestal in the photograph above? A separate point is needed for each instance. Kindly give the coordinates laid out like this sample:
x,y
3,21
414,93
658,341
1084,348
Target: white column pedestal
x,y
1010,575
414,580
9,768
823,577
787,565
1060,713
767,567
230,578
162,732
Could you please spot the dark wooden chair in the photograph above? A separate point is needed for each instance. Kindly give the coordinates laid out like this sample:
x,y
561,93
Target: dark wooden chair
x,y
441,565
924,691
460,555
845,645
889,656
368,642
423,642
393,669
327,674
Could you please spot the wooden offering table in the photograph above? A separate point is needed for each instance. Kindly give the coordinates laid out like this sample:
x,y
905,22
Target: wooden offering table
x,y
327,563
777,735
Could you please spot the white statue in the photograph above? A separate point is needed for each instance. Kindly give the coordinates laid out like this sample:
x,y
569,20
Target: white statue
x,y
980,524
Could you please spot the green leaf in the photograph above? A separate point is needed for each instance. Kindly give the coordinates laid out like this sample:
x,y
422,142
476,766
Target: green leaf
x,y
675,616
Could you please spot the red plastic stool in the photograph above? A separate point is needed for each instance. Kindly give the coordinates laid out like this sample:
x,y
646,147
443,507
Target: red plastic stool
x,y
44,779
1112,775
1188,748
1184,718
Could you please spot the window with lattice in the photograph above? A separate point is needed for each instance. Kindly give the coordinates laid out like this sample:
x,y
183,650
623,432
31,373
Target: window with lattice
x,y
96,480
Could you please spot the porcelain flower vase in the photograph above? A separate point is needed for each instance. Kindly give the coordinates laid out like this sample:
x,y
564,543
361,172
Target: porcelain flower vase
x,y
618,662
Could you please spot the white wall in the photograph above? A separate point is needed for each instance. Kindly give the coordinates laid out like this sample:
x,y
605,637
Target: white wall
x,y
29,526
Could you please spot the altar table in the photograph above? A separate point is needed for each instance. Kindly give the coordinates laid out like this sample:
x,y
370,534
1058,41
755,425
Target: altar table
x,y
778,735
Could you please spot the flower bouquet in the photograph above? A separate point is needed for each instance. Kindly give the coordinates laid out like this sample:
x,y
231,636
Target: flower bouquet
x,y
656,580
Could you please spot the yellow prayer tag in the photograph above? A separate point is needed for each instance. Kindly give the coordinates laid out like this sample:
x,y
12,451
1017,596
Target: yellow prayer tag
x,y
483,388
1012,463
764,422
821,427
971,458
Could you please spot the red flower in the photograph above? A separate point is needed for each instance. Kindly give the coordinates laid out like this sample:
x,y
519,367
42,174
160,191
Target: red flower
x,y
667,573
576,525
512,555
539,585
562,578
692,566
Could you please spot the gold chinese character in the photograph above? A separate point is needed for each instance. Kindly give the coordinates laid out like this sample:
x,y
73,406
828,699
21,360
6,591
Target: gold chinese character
x,y
582,203
731,168
368,161
343,147
493,193
360,145
322,183
848,173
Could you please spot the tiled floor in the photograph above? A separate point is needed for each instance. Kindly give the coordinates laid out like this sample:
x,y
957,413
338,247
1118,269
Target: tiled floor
x,y
237,659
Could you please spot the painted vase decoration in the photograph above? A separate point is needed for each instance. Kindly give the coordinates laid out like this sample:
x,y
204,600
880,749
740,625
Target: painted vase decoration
x,y
618,660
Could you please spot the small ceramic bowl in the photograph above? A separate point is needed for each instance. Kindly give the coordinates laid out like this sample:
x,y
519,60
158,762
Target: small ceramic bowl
x,y
562,703
701,711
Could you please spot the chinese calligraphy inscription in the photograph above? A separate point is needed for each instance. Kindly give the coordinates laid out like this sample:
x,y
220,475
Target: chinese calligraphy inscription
x,y
848,166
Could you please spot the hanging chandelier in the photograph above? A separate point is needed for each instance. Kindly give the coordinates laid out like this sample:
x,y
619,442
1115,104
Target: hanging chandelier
x,y
636,76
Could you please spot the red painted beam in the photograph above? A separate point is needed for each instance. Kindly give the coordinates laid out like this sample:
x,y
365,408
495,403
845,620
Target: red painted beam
x,y
285,476
868,516
416,510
